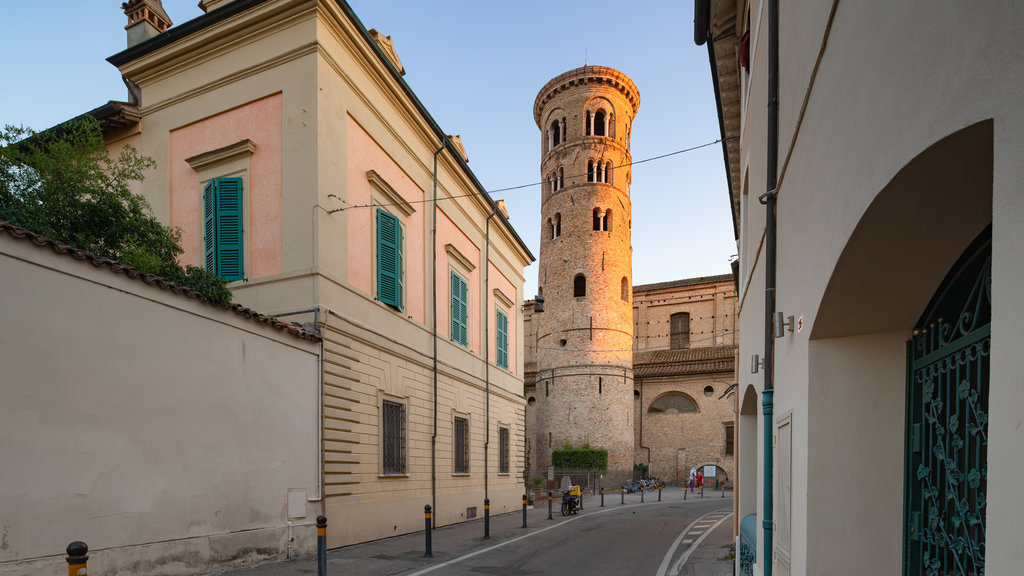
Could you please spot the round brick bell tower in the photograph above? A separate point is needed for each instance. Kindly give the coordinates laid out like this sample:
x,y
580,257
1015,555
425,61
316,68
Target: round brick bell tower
x,y
584,380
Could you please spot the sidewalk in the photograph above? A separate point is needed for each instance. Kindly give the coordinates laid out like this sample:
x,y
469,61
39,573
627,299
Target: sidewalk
x,y
404,554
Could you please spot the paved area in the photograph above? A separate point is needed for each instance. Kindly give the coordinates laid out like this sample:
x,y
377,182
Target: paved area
x,y
704,547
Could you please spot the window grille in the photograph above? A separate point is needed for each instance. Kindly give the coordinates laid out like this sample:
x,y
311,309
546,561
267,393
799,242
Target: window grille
x,y
679,325
503,448
394,437
461,446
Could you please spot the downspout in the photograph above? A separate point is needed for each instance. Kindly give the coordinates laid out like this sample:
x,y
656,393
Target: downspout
x,y
767,401
487,347
433,307
323,456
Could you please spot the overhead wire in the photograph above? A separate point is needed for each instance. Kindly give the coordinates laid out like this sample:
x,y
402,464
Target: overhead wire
x,y
644,349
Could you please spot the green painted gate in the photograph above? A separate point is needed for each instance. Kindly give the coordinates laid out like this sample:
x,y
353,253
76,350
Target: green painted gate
x,y
947,416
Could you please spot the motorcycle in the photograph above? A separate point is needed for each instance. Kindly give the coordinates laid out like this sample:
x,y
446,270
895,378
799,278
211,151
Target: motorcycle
x,y
570,503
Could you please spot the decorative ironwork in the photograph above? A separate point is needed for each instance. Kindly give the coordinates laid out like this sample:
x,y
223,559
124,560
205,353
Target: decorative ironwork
x,y
503,450
393,433
461,445
947,418
748,544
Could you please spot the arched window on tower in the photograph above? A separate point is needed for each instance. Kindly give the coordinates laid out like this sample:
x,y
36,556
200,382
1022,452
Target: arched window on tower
x,y
590,124
590,170
625,289
600,123
597,218
600,171
608,220
579,286
561,178
608,172
563,128
556,134
556,226
679,330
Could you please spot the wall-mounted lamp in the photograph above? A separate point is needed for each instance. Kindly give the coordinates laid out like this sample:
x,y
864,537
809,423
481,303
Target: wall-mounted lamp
x,y
538,305
782,323
756,363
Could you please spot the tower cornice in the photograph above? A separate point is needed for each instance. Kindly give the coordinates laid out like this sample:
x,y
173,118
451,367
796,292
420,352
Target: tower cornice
x,y
586,75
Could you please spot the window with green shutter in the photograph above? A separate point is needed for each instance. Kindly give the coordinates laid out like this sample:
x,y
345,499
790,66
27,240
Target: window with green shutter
x,y
501,336
389,259
222,227
459,310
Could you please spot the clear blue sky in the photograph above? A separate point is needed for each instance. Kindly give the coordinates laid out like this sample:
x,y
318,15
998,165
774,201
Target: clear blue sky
x,y
477,66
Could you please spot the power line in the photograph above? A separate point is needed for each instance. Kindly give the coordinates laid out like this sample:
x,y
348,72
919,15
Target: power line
x,y
521,186
651,348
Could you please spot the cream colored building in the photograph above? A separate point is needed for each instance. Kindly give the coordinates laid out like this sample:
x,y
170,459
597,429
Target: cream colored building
x,y
297,163
891,443
171,435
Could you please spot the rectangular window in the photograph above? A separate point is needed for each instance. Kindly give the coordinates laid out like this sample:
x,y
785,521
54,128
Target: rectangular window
x,y
222,223
393,437
729,432
501,337
389,259
460,310
679,328
461,443
503,449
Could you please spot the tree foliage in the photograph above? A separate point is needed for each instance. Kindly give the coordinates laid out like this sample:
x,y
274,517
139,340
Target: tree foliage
x,y
64,184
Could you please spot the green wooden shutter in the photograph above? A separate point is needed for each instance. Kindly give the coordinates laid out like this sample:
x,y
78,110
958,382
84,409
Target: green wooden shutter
x,y
459,309
389,259
229,228
501,339
399,266
210,226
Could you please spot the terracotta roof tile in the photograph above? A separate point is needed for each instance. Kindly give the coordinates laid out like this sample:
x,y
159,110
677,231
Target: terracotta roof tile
x,y
20,233
685,361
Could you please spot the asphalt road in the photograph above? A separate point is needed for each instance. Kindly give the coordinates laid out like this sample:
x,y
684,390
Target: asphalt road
x,y
668,538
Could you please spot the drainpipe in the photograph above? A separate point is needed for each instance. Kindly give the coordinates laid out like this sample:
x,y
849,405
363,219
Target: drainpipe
x,y
767,401
487,345
433,307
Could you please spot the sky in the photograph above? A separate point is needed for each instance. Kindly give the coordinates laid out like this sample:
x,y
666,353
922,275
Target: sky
x,y
477,66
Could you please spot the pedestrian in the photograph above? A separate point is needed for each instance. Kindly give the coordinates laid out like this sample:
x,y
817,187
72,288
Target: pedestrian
x,y
700,479
691,482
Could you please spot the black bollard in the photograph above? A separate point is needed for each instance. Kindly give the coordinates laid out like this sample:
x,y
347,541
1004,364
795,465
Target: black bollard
x,y
524,510
602,497
622,495
684,492
78,557
701,491
426,523
321,546
641,494
549,505
487,518
723,489
659,493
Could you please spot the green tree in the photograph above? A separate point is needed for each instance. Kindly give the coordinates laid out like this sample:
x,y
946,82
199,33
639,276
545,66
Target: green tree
x,y
64,184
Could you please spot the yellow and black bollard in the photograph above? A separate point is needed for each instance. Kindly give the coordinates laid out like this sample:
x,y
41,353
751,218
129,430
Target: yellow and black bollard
x,y
524,510
549,505
426,523
622,494
641,494
602,497
701,490
659,493
77,558
487,518
321,546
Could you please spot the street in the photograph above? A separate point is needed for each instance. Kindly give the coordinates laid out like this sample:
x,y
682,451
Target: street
x,y
651,538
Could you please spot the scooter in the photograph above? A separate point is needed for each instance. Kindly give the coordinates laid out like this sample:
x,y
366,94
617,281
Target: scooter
x,y
570,503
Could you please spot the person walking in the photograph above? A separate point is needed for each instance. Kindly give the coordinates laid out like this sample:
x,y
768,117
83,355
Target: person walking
x,y
700,480
691,482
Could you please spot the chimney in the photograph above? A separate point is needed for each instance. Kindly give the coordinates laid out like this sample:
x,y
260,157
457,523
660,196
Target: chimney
x,y
146,18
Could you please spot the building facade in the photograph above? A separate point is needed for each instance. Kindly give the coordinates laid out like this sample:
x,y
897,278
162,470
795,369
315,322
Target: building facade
x,y
877,207
298,164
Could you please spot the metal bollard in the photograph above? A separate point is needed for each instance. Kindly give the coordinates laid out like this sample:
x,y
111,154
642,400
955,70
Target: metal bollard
x,y
487,518
702,491
321,546
622,493
77,558
659,493
549,505
641,494
426,523
524,510
602,497
723,489
684,492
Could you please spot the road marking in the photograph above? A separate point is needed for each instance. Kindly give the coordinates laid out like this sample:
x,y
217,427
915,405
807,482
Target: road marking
x,y
686,555
689,541
518,538
663,568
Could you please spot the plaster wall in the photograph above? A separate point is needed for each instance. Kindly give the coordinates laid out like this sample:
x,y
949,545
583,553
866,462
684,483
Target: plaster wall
x,y
168,440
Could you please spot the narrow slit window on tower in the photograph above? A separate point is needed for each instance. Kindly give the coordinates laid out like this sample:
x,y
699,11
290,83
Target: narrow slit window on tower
x,y
556,226
625,288
563,128
547,389
579,286
561,178
599,123
600,385
590,170
589,123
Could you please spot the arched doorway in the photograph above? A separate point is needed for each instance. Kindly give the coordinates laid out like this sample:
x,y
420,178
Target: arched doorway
x,y
947,408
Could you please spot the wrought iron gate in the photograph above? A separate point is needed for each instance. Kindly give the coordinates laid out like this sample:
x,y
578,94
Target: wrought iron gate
x,y
947,416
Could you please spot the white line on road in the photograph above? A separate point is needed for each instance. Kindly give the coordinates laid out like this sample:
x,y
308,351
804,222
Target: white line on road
x,y
663,568
686,555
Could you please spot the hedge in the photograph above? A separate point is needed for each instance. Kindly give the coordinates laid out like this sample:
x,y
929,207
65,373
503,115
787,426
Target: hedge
x,y
587,458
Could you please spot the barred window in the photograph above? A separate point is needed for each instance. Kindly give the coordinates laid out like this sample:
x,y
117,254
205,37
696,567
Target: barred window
x,y
461,442
729,439
503,446
393,433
